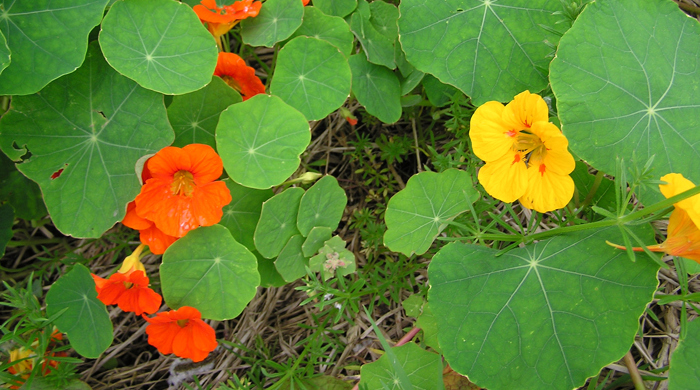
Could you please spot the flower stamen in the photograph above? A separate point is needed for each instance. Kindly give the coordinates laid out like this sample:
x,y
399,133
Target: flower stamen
x,y
183,183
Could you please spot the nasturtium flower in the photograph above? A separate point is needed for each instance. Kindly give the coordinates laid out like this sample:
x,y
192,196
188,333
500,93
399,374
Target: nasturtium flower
x,y
149,234
181,332
183,193
220,20
305,2
233,70
526,156
24,368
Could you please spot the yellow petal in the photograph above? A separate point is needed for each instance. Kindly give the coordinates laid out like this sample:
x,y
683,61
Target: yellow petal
x,y
525,109
506,178
676,185
547,190
490,137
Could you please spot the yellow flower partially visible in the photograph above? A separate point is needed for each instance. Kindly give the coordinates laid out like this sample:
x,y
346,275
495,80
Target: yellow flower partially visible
x,y
133,261
526,156
23,368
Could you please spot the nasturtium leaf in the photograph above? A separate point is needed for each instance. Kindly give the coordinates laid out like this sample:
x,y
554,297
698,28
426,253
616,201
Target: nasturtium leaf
x,y
312,76
631,90
411,81
546,316
278,222
424,369
333,258
242,214
260,140
684,372
291,263
85,319
438,93
210,271
691,266
400,59
340,8
491,50
384,19
85,132
277,20
47,39
419,212
322,205
376,88
23,194
7,219
413,305
269,277
315,240
194,116
5,52
160,44
426,321
331,29
604,195
378,48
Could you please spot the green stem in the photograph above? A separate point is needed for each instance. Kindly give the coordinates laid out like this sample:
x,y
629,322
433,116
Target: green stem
x,y
594,188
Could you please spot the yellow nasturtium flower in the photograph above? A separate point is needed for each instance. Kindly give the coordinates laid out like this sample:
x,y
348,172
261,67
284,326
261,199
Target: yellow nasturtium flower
x,y
526,156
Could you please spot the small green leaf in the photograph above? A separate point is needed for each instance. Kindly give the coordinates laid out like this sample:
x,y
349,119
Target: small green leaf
x,y
684,372
23,194
419,212
322,205
333,258
691,266
277,20
278,222
7,219
331,29
312,76
5,52
546,316
428,324
269,277
260,140
194,116
378,48
85,132
424,369
413,305
242,214
316,239
210,271
85,319
376,88
47,39
160,44
411,81
438,93
384,19
291,263
340,8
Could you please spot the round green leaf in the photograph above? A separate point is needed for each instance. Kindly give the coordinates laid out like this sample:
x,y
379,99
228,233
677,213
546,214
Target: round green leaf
x,y
85,319
315,240
378,48
546,316
269,277
312,76
340,8
291,263
160,44
376,88
208,270
85,133
632,90
331,29
438,93
423,368
277,20
322,205
23,194
384,19
7,219
278,222
47,39
4,53
260,140
491,50
194,116
242,214
684,372
419,212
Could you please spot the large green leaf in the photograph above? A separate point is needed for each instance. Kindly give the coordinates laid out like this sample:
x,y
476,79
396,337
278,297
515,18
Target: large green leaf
x,y
684,372
161,44
277,20
242,214
491,50
47,38
419,212
340,8
7,219
631,89
194,116
85,319
376,88
23,194
85,133
377,47
210,271
312,76
5,53
322,205
260,140
424,370
331,29
291,263
546,316
278,222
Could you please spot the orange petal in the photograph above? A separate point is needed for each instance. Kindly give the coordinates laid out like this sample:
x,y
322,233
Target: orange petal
x,y
205,165
132,219
506,178
208,202
169,160
156,240
238,75
676,185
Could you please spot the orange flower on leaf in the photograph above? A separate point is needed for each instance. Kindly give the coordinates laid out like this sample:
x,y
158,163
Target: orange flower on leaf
x,y
233,70
181,332
220,20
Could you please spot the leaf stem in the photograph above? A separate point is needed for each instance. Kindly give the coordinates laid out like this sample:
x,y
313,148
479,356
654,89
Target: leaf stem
x,y
634,372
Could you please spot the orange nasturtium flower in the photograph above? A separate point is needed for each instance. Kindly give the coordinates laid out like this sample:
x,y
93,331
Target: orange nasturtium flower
x,y
305,2
233,70
128,287
149,234
220,20
181,332
526,156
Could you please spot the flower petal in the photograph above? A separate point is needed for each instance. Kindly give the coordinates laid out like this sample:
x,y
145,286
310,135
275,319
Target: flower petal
x,y
547,190
156,240
676,185
491,137
205,165
506,178
525,109
132,219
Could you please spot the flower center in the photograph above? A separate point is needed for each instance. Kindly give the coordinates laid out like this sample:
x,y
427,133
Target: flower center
x,y
183,183
182,323
531,146
232,83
